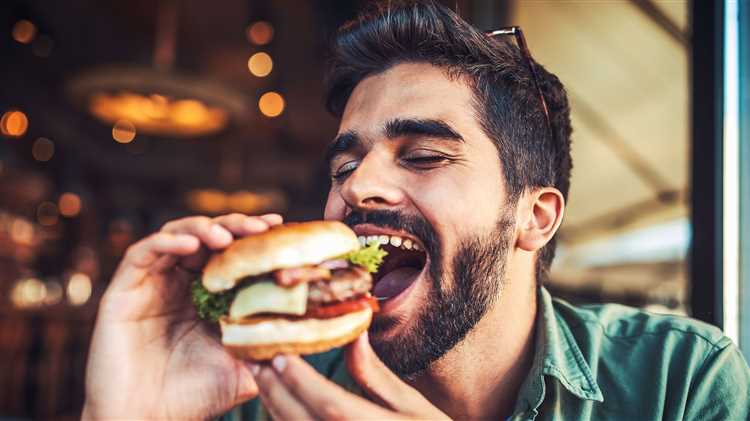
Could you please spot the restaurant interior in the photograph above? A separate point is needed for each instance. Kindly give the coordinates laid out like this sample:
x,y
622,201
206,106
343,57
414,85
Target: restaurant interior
x,y
118,116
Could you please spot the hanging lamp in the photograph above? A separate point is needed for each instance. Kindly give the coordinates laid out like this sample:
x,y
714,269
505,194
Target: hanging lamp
x,y
158,100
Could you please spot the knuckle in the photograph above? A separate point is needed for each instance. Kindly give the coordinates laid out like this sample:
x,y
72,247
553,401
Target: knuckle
x,y
230,218
144,244
292,382
170,225
266,377
201,221
134,249
198,221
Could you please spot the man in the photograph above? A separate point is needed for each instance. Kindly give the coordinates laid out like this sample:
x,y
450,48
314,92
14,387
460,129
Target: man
x,y
443,137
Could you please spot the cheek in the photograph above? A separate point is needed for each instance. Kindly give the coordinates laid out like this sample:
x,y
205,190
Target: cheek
x,y
460,203
335,208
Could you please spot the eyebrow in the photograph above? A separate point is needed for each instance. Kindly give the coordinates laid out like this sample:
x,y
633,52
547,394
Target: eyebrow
x,y
395,128
342,143
435,128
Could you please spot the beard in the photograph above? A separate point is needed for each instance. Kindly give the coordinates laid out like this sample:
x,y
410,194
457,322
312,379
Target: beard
x,y
454,304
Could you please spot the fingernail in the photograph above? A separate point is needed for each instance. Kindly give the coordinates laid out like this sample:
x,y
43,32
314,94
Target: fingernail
x,y
254,368
279,362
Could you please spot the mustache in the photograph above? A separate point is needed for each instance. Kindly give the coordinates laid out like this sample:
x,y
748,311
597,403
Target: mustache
x,y
413,224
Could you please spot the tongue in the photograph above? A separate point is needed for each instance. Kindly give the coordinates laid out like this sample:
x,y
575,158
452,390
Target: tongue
x,y
394,282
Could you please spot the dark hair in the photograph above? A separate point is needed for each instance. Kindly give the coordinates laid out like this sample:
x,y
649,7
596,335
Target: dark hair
x,y
505,98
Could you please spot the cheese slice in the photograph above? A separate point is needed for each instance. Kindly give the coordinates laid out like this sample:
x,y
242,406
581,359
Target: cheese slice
x,y
267,297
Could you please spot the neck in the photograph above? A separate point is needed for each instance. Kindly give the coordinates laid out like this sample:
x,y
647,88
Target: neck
x,y
480,378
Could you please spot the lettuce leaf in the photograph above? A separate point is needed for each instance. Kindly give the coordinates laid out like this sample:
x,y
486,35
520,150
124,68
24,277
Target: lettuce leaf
x,y
210,306
370,257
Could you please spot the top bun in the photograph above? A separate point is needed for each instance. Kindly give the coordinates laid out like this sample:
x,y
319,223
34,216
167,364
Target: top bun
x,y
283,246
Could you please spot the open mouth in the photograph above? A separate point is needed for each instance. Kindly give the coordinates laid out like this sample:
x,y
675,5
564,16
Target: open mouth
x,y
405,261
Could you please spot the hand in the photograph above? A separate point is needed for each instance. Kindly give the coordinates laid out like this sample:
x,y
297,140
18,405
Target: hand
x,y
292,390
151,357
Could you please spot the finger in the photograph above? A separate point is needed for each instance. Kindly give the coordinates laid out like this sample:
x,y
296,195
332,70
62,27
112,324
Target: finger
x,y
213,235
237,224
241,225
379,381
247,387
278,399
320,396
145,252
272,218
141,256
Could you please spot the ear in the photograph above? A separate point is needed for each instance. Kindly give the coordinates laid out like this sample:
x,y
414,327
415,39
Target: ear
x,y
539,217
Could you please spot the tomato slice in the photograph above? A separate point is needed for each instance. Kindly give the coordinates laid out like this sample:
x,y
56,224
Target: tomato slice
x,y
338,309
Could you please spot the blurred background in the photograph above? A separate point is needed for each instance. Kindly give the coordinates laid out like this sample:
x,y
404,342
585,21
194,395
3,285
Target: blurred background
x,y
118,116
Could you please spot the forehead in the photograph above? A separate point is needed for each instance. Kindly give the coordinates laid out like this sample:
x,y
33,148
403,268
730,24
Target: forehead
x,y
409,90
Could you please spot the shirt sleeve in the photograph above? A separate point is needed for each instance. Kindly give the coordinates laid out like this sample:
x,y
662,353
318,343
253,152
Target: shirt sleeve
x,y
721,389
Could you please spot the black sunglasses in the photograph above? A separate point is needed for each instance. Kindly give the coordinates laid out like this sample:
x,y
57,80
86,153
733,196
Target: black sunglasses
x,y
521,41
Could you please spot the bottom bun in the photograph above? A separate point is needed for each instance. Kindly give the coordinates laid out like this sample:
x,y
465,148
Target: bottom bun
x,y
265,339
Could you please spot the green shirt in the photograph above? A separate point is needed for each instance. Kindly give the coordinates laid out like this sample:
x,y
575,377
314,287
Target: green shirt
x,y
611,362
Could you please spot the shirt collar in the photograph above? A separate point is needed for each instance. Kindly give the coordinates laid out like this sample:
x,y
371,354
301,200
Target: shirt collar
x,y
557,355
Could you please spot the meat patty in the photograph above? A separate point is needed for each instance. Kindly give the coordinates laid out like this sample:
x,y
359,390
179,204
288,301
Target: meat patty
x,y
293,276
344,284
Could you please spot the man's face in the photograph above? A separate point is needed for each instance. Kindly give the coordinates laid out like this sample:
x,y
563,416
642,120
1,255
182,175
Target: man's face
x,y
411,161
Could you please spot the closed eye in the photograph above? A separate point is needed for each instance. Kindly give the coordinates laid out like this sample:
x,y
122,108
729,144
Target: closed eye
x,y
344,170
426,161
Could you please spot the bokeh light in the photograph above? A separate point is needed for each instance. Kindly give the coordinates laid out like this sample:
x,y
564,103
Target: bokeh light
x,y
43,149
22,232
47,214
260,33
79,289
260,64
123,131
24,31
69,204
271,104
28,293
14,123
209,200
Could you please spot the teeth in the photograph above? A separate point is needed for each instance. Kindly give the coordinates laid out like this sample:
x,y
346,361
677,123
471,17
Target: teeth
x,y
394,240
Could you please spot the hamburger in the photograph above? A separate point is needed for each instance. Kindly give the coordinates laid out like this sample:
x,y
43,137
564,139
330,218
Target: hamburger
x,y
298,288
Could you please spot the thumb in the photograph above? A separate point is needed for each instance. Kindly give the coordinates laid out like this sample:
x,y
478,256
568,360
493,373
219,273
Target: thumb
x,y
246,387
379,381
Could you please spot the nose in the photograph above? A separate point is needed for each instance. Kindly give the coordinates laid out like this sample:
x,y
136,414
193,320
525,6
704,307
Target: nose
x,y
372,185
